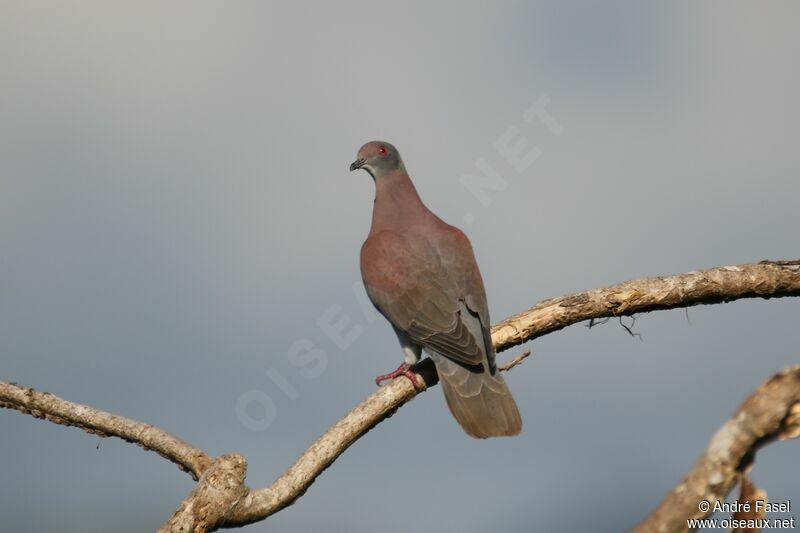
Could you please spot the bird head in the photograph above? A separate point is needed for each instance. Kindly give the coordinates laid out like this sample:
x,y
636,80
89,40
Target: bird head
x,y
377,158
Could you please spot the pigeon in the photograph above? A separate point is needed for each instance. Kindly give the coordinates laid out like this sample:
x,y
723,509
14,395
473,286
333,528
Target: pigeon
x,y
421,275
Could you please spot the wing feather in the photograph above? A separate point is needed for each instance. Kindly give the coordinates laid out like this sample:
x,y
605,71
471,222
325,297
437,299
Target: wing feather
x,y
429,287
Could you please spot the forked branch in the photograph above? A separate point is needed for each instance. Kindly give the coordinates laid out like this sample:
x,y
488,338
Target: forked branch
x,y
221,499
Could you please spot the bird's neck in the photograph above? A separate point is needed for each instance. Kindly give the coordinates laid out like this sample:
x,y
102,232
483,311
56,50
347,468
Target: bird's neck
x,y
397,204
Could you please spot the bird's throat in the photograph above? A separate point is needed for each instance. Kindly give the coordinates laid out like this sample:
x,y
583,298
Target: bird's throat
x,y
397,203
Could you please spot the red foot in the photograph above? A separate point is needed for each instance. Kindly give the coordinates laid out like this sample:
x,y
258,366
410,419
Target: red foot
x,y
402,370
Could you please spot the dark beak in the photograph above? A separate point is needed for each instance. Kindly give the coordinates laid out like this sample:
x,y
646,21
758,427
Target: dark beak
x,y
358,163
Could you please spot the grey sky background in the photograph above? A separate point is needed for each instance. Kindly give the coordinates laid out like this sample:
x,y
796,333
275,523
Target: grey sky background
x,y
176,215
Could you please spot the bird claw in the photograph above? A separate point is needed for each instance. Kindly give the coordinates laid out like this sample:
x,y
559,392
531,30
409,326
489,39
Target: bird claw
x,y
402,370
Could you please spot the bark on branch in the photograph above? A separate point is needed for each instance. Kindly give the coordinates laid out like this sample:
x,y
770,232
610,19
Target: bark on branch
x,y
771,413
59,411
767,279
222,500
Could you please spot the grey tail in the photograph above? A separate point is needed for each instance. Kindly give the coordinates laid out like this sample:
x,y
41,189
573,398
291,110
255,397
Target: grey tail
x,y
480,401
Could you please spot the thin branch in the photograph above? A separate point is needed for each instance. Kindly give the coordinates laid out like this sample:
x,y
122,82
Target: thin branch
x,y
771,413
514,362
597,322
768,279
765,280
60,411
629,329
292,484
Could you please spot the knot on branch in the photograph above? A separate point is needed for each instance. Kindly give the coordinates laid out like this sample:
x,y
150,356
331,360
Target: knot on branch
x,y
220,489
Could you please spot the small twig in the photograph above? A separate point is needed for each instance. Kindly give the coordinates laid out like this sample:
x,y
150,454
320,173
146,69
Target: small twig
x,y
629,328
514,362
597,322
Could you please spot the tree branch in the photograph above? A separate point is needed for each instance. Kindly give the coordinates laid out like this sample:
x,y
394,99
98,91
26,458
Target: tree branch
x,y
59,411
219,490
767,279
240,505
516,361
293,483
771,413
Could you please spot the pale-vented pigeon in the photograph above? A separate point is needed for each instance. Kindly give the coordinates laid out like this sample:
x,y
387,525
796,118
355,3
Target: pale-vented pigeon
x,y
422,276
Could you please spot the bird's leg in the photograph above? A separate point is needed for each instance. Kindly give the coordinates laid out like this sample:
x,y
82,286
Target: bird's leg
x,y
402,370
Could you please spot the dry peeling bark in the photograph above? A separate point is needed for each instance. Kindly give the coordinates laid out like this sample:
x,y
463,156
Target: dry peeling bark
x,y
221,498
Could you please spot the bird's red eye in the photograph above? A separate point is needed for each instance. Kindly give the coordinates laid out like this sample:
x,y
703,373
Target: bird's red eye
x,y
382,151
